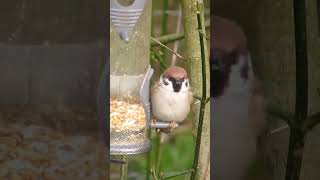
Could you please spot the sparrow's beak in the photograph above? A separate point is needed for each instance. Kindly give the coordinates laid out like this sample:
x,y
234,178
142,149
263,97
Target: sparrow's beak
x,y
177,85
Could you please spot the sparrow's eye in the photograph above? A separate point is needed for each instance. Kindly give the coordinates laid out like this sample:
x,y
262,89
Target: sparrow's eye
x,y
187,84
165,82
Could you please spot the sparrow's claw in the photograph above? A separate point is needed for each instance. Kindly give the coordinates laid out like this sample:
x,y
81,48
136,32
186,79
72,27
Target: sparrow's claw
x,y
172,125
154,120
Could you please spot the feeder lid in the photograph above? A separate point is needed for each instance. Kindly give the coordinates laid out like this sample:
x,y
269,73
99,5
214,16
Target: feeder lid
x,y
124,15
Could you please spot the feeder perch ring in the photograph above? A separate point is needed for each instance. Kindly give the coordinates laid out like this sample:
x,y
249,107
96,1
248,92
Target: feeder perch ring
x,y
161,125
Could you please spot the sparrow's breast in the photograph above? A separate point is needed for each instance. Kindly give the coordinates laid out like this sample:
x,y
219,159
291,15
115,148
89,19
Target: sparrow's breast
x,y
170,106
234,130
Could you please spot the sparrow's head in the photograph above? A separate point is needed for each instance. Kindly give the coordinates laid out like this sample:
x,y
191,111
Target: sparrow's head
x,y
175,79
230,63
229,71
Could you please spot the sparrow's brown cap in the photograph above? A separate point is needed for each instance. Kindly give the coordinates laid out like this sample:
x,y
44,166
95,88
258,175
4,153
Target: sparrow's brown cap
x,y
175,72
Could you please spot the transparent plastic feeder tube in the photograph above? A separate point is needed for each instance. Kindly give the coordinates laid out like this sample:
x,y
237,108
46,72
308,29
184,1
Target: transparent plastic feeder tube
x,y
128,119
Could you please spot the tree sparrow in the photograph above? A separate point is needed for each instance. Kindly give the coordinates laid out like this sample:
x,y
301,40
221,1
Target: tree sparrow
x,y
237,108
171,96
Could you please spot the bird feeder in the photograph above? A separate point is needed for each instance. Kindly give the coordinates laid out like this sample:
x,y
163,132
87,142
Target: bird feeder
x,y
130,75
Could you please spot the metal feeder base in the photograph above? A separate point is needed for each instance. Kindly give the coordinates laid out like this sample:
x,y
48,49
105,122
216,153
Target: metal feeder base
x,y
130,149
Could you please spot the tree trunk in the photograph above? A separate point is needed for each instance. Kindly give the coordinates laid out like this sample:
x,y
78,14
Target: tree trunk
x,y
193,56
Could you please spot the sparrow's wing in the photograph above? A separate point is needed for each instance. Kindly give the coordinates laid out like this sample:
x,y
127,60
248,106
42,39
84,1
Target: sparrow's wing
x,y
154,87
152,91
190,97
